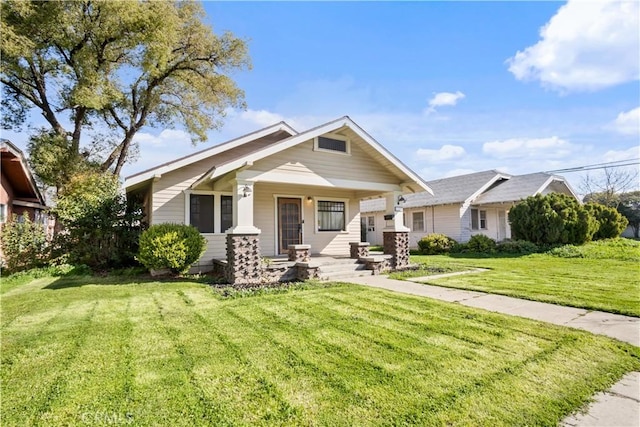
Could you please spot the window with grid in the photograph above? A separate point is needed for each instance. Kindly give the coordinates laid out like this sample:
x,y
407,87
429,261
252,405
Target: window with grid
x,y
331,216
201,212
418,221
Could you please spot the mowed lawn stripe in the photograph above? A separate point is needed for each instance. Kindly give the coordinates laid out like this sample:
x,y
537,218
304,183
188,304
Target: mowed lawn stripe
x,y
56,350
100,378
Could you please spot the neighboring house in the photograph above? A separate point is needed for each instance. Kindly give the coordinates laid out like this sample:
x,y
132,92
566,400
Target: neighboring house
x,y
267,191
18,191
462,206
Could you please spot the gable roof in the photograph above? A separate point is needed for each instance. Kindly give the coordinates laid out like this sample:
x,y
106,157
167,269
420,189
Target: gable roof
x,y
15,168
267,135
453,190
243,157
415,183
520,187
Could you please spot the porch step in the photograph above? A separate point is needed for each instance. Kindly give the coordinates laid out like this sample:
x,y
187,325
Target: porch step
x,y
343,269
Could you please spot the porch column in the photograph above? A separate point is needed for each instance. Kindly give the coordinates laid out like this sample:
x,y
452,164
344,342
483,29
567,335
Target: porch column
x,y
244,263
396,235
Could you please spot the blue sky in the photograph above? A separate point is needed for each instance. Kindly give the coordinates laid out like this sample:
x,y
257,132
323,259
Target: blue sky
x,y
448,87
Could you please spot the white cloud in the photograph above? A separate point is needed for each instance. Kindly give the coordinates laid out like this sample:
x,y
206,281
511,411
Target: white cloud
x,y
168,137
628,123
262,118
517,148
586,46
444,99
617,155
444,153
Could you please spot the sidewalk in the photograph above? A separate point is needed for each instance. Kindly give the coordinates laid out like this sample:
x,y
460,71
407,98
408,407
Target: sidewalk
x,y
619,406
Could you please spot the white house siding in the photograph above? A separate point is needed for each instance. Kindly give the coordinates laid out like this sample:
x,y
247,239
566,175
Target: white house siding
x,y
303,162
322,242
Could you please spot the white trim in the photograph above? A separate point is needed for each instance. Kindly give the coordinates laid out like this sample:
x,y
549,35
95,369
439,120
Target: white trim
x,y
469,200
336,136
553,178
313,179
276,222
330,199
158,171
217,223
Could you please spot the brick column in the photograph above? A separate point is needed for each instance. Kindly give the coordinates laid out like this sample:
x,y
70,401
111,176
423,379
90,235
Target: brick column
x,y
244,264
396,243
299,253
359,250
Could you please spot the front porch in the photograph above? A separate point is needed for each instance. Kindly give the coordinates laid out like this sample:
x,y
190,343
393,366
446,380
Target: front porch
x,y
300,265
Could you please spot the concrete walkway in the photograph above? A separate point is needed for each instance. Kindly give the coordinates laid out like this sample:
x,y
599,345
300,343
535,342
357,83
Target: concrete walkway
x,y
619,406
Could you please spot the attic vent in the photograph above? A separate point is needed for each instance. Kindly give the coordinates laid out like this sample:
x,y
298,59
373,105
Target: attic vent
x,y
332,144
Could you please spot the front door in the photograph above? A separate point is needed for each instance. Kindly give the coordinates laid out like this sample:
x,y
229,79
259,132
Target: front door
x,y
289,223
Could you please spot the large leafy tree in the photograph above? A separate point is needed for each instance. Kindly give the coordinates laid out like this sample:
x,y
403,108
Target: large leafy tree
x,y
116,66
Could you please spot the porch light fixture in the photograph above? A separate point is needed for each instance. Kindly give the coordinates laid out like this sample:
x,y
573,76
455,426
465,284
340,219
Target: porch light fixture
x,y
309,198
246,191
401,200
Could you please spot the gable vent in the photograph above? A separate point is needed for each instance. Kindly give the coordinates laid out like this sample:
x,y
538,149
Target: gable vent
x,y
332,144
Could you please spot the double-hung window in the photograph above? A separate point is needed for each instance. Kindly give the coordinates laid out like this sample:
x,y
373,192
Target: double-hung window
x,y
331,215
417,221
478,219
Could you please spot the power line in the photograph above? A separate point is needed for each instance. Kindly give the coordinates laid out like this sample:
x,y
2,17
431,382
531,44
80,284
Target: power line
x,y
614,164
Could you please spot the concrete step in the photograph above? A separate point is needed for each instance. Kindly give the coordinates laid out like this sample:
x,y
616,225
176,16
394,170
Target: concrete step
x,y
343,270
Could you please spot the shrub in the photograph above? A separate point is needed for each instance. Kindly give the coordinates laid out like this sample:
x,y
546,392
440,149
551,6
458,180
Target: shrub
x,y
552,219
611,223
433,244
172,246
481,244
522,247
101,228
567,251
24,243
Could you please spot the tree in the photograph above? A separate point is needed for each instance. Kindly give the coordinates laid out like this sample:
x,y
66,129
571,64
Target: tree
x,y
629,207
120,64
552,219
101,227
607,186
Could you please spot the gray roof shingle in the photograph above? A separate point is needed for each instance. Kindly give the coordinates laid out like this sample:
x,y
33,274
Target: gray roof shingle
x,y
458,189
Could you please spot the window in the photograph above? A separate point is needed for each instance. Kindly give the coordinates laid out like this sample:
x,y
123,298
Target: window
x,y
226,213
335,143
478,219
418,221
3,213
371,223
331,216
201,212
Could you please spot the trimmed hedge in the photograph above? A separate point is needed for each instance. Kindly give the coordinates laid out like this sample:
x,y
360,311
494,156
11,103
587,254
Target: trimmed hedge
x,y
171,246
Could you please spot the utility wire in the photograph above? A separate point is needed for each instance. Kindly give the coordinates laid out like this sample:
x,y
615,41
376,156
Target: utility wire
x,y
614,164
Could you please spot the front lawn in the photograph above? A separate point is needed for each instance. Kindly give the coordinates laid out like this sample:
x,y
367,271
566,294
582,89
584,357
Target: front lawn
x,y
87,350
605,278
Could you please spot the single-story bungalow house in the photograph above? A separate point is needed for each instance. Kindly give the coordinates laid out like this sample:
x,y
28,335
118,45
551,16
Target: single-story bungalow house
x,y
462,206
277,190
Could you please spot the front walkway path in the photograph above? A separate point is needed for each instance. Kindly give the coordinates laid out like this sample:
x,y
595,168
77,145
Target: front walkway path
x,y
618,406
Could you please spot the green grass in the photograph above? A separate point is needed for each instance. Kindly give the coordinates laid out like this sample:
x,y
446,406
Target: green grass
x,y
425,269
598,276
86,350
